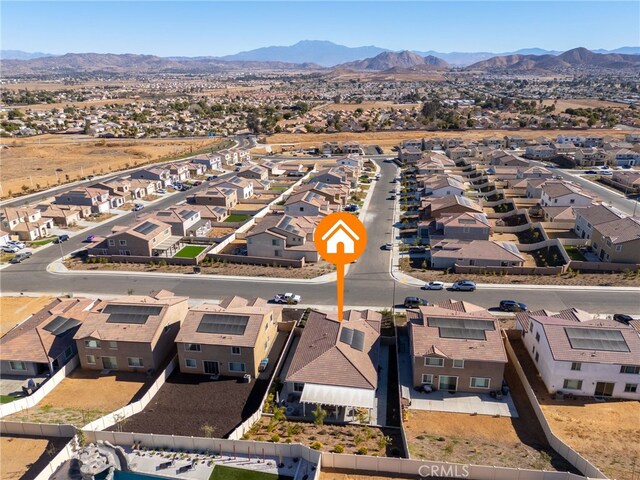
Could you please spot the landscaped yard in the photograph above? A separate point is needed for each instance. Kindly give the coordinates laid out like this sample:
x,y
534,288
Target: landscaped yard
x,y
7,398
190,251
222,472
84,396
575,254
279,189
42,242
237,218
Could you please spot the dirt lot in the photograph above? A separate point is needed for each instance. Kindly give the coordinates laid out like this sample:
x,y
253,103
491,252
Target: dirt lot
x,y
34,160
24,457
84,396
605,433
311,270
376,441
562,105
595,279
14,310
389,139
221,404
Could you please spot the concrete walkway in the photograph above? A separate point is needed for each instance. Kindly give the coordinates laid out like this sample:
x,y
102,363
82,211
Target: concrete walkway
x,y
379,416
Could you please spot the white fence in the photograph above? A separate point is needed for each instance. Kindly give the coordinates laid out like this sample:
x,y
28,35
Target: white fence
x,y
32,400
569,454
63,455
112,418
426,469
37,429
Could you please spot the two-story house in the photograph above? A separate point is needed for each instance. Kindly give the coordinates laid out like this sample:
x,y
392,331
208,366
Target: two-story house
x,y
587,217
179,172
307,203
560,194
184,221
218,195
25,222
617,241
97,199
242,186
149,237
158,174
284,236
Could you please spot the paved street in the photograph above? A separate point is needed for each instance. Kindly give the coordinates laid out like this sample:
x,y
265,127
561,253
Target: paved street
x,y
368,282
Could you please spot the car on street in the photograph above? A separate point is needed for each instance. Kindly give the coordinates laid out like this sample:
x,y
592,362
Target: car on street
x,y
464,286
288,298
412,302
90,238
512,306
388,246
161,191
197,183
137,207
263,364
434,285
61,238
211,178
607,173
8,248
392,197
591,172
20,257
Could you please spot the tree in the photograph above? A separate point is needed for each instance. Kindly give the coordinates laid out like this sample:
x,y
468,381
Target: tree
x,y
253,123
319,414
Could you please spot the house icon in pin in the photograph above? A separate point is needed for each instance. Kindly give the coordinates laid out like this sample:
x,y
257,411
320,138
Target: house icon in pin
x,y
340,233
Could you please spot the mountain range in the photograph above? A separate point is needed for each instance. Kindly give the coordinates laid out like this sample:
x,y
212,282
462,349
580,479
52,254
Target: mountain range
x,y
397,60
329,54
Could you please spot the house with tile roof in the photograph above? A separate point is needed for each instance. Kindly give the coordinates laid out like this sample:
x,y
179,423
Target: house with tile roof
x,y
587,217
158,174
64,215
479,253
562,194
335,364
617,241
456,346
133,334
43,343
25,222
230,338
184,221
219,195
284,236
242,186
96,198
577,354
307,203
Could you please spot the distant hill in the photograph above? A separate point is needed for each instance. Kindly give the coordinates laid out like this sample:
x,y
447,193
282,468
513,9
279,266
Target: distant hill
x,y
20,55
131,63
321,52
396,60
575,58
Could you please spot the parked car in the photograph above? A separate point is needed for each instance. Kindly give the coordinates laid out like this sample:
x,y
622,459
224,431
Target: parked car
x,y
392,197
197,183
263,364
185,187
434,285
211,178
288,298
607,173
61,238
512,306
20,257
591,172
161,191
412,302
8,248
388,246
352,207
464,286
137,207
623,318
16,243
90,238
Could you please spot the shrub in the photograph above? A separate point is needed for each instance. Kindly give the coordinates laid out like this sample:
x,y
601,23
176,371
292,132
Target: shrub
x,y
362,451
338,449
275,438
316,445
357,439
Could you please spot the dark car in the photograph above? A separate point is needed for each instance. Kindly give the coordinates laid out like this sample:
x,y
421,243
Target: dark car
x,y
591,172
623,318
20,257
61,238
464,285
412,302
512,306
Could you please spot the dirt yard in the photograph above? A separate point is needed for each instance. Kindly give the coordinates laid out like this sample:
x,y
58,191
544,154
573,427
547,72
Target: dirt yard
x,y
24,457
327,474
84,396
33,161
605,433
310,270
562,105
14,310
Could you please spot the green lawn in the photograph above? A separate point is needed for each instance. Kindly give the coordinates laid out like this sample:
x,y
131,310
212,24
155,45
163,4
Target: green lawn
x,y
574,254
190,251
220,472
7,398
279,189
40,243
236,218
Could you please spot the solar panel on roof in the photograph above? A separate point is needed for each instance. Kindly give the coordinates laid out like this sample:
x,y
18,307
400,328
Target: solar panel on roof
x,y
346,335
55,323
131,318
596,339
461,323
132,314
358,340
223,324
145,228
60,325
462,333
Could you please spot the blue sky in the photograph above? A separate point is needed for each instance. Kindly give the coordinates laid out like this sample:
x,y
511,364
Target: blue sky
x,y
219,28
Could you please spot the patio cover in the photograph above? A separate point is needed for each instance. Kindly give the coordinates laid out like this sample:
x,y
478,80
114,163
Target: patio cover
x,y
338,396
167,243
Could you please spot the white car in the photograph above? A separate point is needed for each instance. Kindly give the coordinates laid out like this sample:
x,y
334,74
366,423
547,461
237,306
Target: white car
x,y
435,285
388,246
9,248
162,191
16,243
288,298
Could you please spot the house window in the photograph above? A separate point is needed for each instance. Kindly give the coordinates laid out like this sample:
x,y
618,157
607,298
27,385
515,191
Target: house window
x,y
537,356
235,351
298,387
531,327
112,242
91,360
18,366
537,336
68,353
236,367
249,240
275,242
576,366
135,362
631,388
189,363
480,382
122,243
277,253
113,345
92,344
458,363
572,384
573,200
427,378
433,362
630,369
192,347
608,243
618,248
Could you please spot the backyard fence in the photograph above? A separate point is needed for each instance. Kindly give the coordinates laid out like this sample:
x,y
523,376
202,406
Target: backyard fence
x,y
568,453
268,261
30,401
37,429
63,455
603,266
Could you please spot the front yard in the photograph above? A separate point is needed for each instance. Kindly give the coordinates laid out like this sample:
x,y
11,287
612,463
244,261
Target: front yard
x,y
190,251
42,242
237,218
